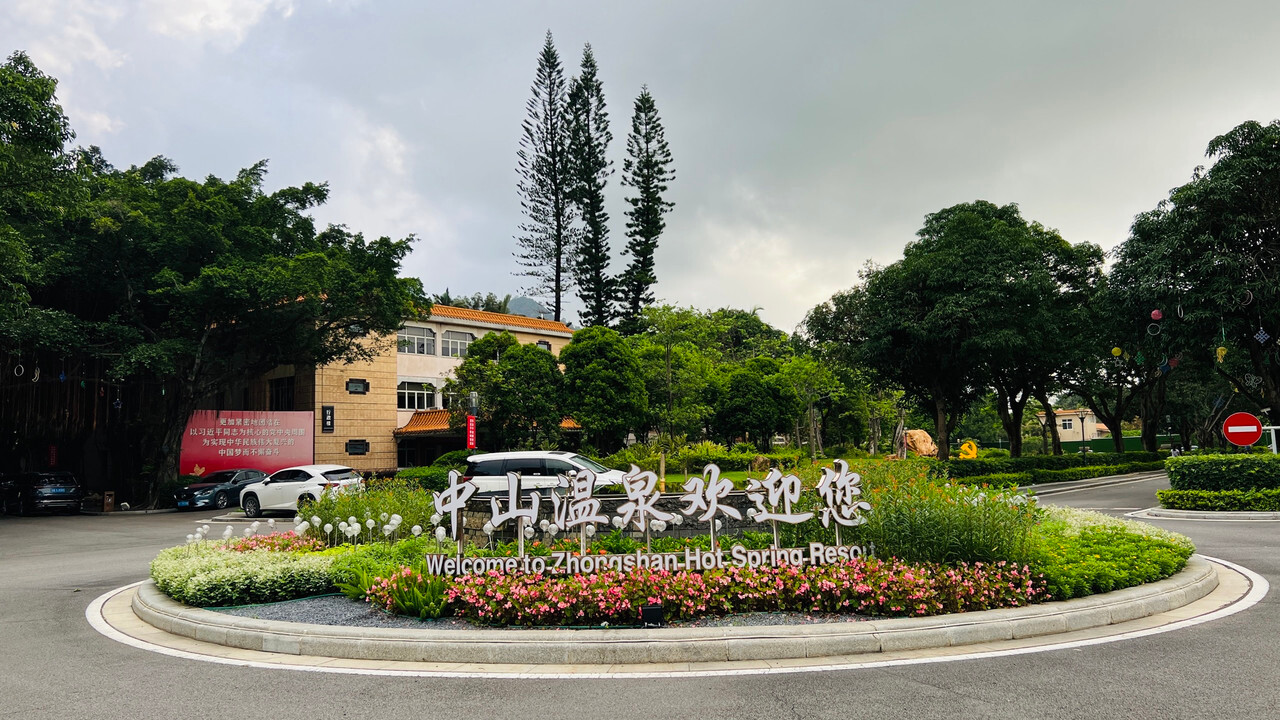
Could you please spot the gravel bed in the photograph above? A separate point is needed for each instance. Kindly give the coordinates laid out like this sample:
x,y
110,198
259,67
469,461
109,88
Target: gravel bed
x,y
339,610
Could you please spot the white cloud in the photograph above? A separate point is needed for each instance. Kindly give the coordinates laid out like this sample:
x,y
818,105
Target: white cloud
x,y
92,123
66,33
222,22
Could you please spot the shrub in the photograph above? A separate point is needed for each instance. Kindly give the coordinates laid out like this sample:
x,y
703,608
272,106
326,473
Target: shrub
x,y
927,522
372,502
1037,476
1267,500
433,478
865,585
1224,472
992,465
455,458
993,453
407,592
1080,553
277,541
205,574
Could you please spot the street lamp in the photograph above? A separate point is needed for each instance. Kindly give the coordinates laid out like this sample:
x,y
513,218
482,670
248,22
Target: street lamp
x,y
1082,414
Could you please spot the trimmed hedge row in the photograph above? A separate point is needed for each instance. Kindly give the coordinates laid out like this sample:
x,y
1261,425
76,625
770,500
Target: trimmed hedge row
x,y
694,459
428,477
1224,472
1255,500
1034,477
998,465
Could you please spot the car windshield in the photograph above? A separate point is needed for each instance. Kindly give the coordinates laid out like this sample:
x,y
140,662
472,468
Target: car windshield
x,y
344,474
592,464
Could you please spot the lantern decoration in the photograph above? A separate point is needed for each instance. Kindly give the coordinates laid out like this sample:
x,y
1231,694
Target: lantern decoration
x,y
1156,315
1117,351
1222,353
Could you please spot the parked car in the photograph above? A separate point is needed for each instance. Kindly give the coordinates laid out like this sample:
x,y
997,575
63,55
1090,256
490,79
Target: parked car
x,y
26,493
537,468
286,488
218,490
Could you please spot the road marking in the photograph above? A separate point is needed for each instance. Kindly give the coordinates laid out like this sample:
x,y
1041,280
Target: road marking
x,y
1051,492
1258,588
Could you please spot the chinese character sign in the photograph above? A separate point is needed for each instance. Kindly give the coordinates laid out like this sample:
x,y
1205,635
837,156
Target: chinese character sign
x,y
229,439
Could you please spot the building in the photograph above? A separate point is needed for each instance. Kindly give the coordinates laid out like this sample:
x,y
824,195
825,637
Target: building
x,y
392,411
1071,423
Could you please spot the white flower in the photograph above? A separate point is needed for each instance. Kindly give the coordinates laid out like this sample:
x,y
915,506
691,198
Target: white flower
x,y
328,528
435,518
315,521
370,523
488,528
416,530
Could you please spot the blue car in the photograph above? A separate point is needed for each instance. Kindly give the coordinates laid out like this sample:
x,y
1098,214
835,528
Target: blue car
x,y
218,490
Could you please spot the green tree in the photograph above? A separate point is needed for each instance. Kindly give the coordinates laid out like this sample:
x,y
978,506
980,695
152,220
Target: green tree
x,y
589,139
756,403
604,388
647,170
488,302
810,382
548,239
519,388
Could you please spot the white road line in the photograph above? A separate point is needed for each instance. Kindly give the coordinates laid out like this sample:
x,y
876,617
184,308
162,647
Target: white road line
x,y
1050,492
1258,588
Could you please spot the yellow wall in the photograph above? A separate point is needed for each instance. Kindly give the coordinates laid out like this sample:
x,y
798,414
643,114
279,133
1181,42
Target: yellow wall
x,y
369,417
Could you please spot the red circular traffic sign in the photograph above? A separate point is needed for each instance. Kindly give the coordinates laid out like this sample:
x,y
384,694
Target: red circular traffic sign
x,y
1242,429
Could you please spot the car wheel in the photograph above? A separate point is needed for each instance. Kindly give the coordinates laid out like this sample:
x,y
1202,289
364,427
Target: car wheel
x,y
306,500
221,500
251,506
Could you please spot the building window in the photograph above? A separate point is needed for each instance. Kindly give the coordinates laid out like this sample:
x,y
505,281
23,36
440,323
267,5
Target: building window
x,y
1066,423
416,341
280,393
455,343
415,395
544,345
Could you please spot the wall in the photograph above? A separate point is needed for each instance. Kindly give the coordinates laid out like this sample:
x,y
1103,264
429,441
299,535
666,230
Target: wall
x,y
370,417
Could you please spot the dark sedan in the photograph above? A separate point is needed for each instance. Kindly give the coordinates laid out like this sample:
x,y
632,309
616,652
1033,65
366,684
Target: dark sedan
x,y
29,492
219,490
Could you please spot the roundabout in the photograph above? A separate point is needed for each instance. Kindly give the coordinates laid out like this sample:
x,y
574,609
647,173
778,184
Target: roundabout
x,y
1208,589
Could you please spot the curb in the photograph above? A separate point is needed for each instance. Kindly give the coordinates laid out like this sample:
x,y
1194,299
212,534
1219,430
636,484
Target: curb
x,y
674,645
1169,514
129,512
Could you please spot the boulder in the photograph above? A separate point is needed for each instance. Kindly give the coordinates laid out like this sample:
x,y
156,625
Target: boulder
x,y
921,443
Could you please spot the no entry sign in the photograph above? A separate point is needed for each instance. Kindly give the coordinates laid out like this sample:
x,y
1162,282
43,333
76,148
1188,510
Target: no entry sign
x,y
1242,429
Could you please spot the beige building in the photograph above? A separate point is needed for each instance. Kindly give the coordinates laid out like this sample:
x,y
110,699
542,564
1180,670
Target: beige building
x,y
1072,422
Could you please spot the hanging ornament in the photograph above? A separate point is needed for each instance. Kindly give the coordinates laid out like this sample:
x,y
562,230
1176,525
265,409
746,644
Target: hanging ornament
x,y
1246,298
1127,357
117,404
18,370
82,385
1253,381
1173,361
1262,336
162,391
1116,351
35,374
1153,329
1156,315
1179,310
1165,368
1222,353
62,376
1140,358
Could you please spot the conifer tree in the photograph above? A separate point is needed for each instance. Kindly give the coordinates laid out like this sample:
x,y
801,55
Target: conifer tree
x,y
548,239
589,138
647,170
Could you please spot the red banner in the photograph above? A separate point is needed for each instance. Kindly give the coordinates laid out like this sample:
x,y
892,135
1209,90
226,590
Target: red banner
x,y
229,439
471,432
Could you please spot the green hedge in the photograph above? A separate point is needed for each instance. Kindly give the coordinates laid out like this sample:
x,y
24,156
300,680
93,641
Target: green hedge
x,y
428,477
455,458
1224,472
1028,463
1034,477
1255,500
693,459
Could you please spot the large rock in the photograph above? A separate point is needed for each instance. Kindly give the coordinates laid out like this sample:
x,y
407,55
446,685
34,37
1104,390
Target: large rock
x,y
920,443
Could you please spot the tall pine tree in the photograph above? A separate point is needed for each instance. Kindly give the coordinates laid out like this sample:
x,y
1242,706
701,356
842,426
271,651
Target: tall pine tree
x,y
548,239
589,138
647,169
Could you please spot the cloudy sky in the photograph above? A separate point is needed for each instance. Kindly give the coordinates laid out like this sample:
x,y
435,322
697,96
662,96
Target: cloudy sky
x,y
809,137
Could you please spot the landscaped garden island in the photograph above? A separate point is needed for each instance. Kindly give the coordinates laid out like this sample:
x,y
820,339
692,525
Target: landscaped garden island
x,y
859,540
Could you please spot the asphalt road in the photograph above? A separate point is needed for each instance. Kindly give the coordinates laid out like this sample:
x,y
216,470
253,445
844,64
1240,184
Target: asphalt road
x,y
53,665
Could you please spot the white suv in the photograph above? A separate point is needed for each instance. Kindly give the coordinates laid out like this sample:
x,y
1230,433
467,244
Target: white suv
x,y
285,488
537,468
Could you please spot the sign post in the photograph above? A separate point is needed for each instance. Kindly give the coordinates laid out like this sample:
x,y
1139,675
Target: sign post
x,y
1242,429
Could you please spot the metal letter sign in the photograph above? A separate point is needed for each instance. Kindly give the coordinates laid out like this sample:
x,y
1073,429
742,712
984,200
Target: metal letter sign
x,y
774,499
1242,429
471,432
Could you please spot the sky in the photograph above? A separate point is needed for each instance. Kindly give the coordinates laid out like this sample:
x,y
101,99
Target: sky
x,y
809,138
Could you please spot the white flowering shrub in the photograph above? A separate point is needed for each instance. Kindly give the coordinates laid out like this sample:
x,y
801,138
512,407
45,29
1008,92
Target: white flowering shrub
x,y
203,574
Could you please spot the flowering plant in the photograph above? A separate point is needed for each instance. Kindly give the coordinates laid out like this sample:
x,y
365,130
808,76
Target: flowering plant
x,y
279,542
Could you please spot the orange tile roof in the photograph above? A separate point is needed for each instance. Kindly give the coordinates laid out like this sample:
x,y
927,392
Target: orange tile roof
x,y
493,318
425,422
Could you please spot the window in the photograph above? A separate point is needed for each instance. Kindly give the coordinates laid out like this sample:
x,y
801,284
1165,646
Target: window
x,y
415,395
416,341
558,467
1066,423
280,393
544,345
455,343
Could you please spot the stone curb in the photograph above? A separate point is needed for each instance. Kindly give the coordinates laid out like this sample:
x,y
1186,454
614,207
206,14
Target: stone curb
x,y
674,645
129,512
1169,514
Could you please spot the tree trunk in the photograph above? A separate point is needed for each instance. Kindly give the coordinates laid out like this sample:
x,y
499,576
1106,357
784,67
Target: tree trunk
x,y
940,424
1009,406
873,434
1050,420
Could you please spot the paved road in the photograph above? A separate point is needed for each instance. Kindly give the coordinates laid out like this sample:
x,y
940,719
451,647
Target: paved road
x,y
55,666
